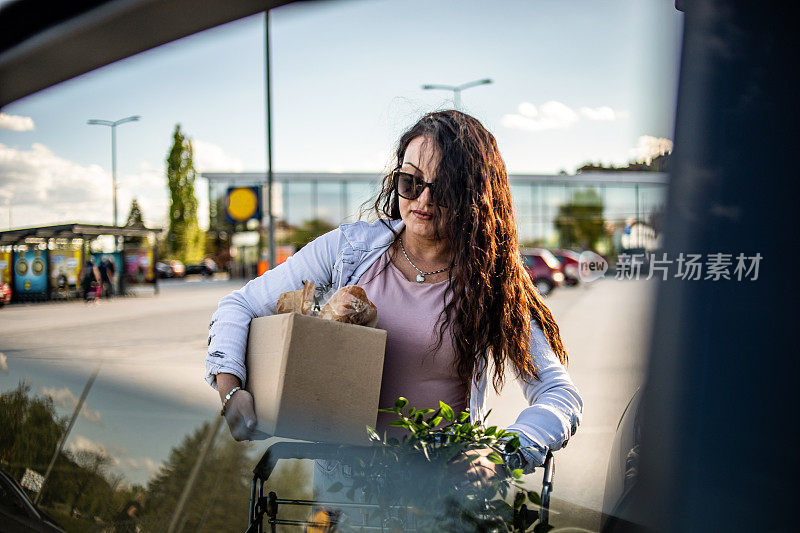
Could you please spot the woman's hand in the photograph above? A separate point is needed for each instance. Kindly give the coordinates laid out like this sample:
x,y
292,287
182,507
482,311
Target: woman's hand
x,y
240,412
480,471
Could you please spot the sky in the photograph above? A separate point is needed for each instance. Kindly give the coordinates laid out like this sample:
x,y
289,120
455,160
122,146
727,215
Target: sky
x,y
573,82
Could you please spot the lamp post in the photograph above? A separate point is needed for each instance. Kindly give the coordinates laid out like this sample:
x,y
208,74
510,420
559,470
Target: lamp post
x,y
457,89
113,125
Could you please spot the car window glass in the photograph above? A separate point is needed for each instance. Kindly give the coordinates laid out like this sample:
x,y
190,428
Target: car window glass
x,y
586,164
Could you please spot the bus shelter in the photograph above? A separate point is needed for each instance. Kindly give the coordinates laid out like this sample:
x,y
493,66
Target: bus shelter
x,y
49,262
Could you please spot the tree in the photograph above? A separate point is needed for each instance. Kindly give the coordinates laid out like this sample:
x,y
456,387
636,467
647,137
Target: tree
x,y
307,232
135,220
219,499
659,163
185,240
31,430
580,223
93,464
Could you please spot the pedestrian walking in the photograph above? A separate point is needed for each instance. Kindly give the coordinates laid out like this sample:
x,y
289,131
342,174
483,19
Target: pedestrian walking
x,y
91,281
107,275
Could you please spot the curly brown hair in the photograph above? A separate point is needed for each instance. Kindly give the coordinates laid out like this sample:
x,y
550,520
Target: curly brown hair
x,y
491,300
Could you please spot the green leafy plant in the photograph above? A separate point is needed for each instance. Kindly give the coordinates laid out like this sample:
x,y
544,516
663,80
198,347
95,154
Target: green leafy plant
x,y
415,474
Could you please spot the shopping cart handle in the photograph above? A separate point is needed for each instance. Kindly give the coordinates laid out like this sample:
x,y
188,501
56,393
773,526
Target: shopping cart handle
x,y
306,450
547,488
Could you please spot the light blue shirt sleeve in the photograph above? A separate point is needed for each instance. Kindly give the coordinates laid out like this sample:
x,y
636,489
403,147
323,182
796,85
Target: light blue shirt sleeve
x,y
230,324
556,406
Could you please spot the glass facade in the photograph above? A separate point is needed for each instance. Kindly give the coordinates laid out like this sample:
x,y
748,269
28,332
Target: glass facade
x,y
614,200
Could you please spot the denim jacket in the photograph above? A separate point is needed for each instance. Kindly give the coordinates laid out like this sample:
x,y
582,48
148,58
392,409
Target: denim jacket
x,y
339,258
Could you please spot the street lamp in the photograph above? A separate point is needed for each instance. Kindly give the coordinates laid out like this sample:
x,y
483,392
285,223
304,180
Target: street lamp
x,y
457,89
113,125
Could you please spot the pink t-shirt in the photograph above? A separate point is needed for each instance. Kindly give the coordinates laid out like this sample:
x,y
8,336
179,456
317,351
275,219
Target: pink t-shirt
x,y
409,311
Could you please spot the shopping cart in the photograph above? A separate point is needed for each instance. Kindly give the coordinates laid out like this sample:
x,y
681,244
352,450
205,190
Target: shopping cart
x,y
269,505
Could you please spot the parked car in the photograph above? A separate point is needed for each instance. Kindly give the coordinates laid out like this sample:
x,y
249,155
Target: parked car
x,y
207,268
5,293
622,495
543,268
178,268
19,513
163,270
570,262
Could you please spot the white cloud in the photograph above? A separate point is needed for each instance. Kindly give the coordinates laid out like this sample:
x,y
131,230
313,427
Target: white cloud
x,y
15,123
145,466
209,157
3,363
79,443
142,463
47,189
553,115
602,113
64,398
648,147
38,177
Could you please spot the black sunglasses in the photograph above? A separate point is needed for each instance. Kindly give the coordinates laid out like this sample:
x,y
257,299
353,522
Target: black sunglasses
x,y
410,186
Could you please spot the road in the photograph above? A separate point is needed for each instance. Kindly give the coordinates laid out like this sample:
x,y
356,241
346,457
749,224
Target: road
x,y
152,348
605,328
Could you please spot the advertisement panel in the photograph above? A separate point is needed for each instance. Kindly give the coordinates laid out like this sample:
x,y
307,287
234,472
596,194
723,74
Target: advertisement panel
x,y
5,266
243,204
30,273
65,267
139,265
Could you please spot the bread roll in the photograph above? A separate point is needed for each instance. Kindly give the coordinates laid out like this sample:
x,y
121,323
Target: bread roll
x,y
351,305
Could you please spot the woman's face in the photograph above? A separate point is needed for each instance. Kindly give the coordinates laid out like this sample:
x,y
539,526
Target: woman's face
x,y
421,214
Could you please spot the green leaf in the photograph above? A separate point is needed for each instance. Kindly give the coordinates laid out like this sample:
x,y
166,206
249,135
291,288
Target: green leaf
x,y
490,430
534,497
512,445
462,416
401,402
336,487
516,473
495,458
436,421
519,499
447,411
399,423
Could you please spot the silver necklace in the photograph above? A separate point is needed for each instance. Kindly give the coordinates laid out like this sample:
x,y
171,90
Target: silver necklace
x,y
421,275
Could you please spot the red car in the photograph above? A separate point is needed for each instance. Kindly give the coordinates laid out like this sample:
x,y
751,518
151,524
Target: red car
x,y
543,268
178,268
569,265
5,293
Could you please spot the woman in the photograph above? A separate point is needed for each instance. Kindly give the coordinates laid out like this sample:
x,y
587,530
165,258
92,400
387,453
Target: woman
x,y
442,265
